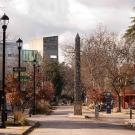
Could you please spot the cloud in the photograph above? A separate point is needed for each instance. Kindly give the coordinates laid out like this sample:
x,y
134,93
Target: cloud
x,y
20,6
115,14
32,18
117,4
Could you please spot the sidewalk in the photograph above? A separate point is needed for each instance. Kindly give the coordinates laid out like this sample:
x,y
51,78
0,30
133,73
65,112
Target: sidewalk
x,y
61,115
14,130
116,117
60,122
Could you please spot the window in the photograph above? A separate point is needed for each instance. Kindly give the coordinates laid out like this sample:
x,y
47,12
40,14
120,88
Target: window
x,y
10,55
53,56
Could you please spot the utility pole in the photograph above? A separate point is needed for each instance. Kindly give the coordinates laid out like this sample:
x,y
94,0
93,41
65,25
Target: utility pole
x,y
34,87
19,42
4,20
77,81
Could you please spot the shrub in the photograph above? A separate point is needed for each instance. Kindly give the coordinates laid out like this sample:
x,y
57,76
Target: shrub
x,y
43,108
20,118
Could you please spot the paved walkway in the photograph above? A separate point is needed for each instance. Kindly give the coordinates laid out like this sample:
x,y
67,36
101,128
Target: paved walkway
x,y
13,130
60,124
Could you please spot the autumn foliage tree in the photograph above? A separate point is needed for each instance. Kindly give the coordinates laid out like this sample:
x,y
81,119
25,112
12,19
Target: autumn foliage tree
x,y
12,93
46,93
106,64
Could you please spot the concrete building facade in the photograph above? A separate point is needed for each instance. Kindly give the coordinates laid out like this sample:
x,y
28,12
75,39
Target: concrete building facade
x,y
30,55
11,58
46,46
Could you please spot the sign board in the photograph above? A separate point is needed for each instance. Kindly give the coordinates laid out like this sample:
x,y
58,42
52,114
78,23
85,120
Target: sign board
x,y
24,78
17,69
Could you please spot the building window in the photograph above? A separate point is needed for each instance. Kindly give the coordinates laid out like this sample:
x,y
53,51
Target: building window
x,y
10,55
53,56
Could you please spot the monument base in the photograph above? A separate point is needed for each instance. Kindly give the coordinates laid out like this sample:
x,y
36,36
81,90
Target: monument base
x,y
78,108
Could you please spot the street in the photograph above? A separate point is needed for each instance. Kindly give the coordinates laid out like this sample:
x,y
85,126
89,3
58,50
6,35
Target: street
x,y
59,123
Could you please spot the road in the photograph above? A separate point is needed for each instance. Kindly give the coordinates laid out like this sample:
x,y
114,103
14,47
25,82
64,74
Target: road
x,y
59,123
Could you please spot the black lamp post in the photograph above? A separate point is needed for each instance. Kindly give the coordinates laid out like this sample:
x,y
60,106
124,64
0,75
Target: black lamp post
x,y
34,88
4,22
19,42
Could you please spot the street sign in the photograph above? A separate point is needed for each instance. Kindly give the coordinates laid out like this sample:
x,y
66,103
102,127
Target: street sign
x,y
17,69
24,78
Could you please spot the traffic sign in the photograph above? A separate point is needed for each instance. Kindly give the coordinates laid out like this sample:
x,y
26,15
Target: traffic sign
x,y
17,69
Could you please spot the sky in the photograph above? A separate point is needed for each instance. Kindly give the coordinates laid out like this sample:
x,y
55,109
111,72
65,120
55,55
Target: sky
x,y
35,18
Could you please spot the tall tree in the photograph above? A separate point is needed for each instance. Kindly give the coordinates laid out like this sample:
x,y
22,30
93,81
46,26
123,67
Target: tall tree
x,y
130,32
52,73
103,57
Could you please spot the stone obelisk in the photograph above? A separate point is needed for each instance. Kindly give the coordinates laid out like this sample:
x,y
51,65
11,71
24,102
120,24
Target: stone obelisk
x,y
77,81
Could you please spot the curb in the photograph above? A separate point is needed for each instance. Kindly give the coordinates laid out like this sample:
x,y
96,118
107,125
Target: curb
x,y
37,124
130,127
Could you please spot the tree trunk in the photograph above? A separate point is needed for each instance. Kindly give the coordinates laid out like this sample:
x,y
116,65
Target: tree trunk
x,y
119,103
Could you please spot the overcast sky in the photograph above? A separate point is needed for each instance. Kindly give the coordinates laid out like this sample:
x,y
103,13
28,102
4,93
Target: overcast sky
x,y
35,18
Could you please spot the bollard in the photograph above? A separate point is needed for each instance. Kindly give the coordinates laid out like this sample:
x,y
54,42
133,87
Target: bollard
x,y
30,112
96,111
130,113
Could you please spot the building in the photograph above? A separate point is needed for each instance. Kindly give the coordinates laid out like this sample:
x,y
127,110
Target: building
x,y
11,57
30,55
128,98
46,46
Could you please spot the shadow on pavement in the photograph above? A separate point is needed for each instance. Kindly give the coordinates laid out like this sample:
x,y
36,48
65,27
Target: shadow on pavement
x,y
79,125
61,113
7,134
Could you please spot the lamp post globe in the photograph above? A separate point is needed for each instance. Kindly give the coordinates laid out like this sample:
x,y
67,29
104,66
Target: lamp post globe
x,y
19,44
34,62
4,20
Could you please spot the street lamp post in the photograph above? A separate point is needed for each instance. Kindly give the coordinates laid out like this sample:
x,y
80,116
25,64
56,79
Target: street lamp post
x,y
19,42
4,21
34,88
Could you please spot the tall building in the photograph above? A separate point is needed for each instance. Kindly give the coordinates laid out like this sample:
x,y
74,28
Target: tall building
x,y
46,46
11,57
